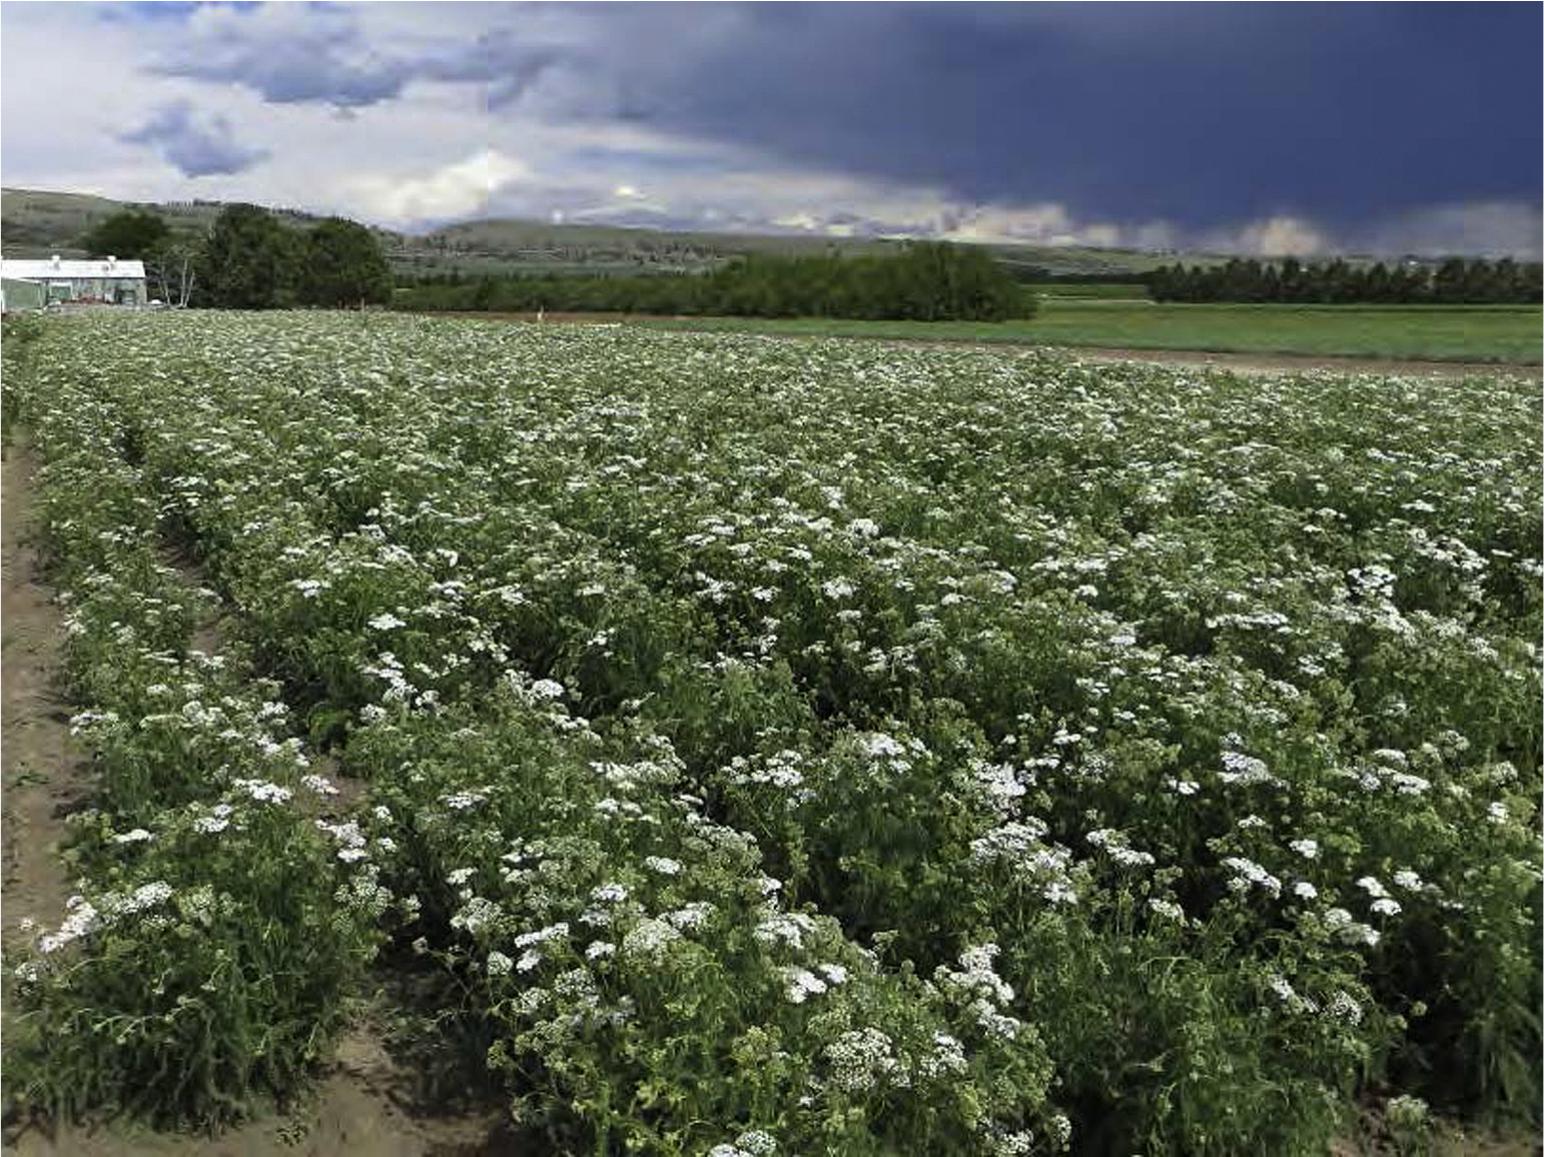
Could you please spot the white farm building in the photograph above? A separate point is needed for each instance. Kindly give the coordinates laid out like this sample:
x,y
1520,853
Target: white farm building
x,y
32,284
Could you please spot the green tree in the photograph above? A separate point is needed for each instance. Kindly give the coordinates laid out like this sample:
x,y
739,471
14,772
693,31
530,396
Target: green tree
x,y
1378,285
131,234
1450,280
482,296
342,265
248,261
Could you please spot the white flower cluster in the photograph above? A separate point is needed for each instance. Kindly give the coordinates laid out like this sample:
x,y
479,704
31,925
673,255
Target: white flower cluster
x,y
461,801
1245,770
218,819
801,983
861,1060
650,940
1018,847
976,985
1115,845
476,914
753,1143
1348,930
1246,874
1001,785
781,769
691,916
263,791
1289,998
86,918
789,928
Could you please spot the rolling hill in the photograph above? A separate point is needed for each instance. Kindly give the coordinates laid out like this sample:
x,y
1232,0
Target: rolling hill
x,y
37,223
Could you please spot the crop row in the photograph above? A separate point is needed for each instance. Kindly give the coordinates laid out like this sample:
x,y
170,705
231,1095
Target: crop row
x,y
684,1010
1152,719
213,940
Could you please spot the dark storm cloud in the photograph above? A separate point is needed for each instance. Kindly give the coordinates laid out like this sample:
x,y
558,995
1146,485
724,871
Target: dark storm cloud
x,y
319,54
497,58
1200,115
197,146
1194,113
310,54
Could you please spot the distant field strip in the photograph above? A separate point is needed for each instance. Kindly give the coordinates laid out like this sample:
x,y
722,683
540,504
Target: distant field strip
x,y
1094,291
1504,334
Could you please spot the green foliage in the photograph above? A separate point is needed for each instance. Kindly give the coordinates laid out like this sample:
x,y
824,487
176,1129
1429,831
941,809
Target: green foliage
x,y
130,234
924,282
804,747
216,975
216,941
1457,281
342,265
249,261
927,282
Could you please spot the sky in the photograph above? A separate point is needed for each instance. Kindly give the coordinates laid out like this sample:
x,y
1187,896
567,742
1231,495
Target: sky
x,y
1266,129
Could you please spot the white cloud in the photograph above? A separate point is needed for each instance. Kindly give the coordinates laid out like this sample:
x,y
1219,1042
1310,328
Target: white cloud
x,y
1488,228
435,151
1047,223
1493,228
1278,237
804,221
456,190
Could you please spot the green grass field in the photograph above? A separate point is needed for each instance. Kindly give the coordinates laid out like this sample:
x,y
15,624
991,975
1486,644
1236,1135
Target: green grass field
x,y
1093,291
1509,334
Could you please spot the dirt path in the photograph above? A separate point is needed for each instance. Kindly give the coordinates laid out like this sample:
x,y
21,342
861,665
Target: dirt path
x,y
42,776
351,1111
358,1107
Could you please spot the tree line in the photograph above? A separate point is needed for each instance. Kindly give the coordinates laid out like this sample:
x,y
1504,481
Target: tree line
x,y
249,260
926,281
1455,281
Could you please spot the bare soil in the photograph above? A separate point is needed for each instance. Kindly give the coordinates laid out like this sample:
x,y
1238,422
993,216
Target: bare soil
x,y
354,1109
43,776
362,1103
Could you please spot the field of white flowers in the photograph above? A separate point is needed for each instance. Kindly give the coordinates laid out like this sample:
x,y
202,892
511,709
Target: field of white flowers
x,y
788,748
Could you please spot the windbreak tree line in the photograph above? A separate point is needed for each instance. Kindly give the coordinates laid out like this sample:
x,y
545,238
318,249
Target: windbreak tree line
x,y
249,260
1455,282
926,281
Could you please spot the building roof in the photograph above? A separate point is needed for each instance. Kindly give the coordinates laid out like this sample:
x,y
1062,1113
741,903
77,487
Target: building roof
x,y
55,269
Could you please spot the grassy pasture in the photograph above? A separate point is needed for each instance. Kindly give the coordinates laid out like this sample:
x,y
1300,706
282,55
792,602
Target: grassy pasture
x,y
1096,291
1503,334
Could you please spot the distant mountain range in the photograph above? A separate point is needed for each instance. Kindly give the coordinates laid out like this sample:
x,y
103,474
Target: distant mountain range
x,y
38,223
